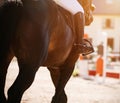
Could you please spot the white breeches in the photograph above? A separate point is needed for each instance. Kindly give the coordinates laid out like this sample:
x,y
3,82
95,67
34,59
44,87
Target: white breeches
x,y
71,5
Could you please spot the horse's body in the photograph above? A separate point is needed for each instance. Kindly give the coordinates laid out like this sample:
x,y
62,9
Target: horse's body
x,y
36,38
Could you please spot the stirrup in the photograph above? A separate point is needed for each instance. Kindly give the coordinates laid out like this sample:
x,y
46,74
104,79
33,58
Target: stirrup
x,y
88,46
85,48
88,52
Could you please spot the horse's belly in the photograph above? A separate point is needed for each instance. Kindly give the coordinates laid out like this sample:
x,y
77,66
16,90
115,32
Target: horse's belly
x,y
60,45
58,52
57,58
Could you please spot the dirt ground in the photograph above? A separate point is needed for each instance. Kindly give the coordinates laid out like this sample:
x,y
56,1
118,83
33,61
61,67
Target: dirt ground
x,y
78,89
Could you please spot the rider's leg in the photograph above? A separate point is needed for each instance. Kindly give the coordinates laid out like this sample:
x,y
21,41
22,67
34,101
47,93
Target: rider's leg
x,y
79,27
79,31
77,10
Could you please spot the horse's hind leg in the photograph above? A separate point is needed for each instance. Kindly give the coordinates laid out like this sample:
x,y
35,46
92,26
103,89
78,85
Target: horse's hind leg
x,y
5,59
55,75
60,77
25,78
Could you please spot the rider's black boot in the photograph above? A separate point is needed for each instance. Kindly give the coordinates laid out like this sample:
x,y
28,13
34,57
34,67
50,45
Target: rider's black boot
x,y
83,45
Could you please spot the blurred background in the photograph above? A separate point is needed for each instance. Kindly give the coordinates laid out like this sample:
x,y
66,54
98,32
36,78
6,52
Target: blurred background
x,y
105,31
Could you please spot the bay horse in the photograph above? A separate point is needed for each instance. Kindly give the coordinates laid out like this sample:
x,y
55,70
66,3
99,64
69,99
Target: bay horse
x,y
37,37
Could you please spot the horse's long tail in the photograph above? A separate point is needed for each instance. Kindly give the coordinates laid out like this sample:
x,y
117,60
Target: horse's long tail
x,y
9,15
